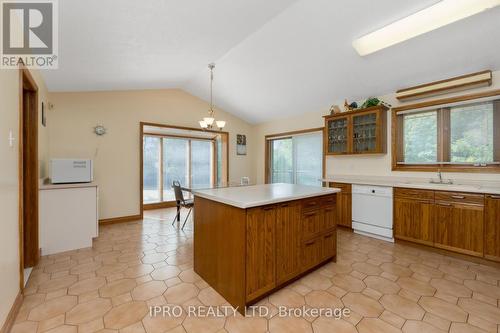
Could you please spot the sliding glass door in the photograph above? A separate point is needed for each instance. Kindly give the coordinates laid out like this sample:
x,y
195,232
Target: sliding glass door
x,y
189,161
175,165
201,164
151,167
296,159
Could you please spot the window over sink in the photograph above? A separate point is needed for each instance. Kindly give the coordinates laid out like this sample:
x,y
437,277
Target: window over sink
x,y
456,136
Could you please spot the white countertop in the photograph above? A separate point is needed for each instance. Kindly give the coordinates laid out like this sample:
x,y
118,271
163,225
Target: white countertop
x,y
49,186
260,195
458,186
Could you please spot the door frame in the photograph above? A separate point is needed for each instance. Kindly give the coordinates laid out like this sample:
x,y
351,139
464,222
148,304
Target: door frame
x,y
141,154
28,130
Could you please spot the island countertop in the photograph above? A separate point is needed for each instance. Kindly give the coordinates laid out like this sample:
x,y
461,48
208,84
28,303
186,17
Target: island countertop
x,y
260,195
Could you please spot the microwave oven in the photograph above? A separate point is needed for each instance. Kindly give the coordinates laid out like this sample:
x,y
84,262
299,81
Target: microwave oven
x,y
67,171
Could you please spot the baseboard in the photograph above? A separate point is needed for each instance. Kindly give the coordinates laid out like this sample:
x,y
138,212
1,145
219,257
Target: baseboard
x,y
11,317
168,204
121,219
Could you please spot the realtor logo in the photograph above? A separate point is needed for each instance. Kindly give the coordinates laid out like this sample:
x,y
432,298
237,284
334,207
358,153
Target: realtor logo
x,y
29,34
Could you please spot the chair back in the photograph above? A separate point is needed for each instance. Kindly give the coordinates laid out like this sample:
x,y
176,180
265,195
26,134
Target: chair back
x,y
179,196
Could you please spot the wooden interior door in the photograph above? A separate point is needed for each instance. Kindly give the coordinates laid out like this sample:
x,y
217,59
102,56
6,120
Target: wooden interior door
x,y
29,170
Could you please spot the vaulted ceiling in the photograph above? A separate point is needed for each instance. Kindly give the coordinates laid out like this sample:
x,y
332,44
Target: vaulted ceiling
x,y
274,58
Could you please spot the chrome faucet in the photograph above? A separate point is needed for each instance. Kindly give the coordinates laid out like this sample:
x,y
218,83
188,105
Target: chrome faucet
x,y
440,179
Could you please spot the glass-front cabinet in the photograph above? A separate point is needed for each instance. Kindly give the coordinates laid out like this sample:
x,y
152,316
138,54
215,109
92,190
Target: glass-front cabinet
x,y
357,132
338,135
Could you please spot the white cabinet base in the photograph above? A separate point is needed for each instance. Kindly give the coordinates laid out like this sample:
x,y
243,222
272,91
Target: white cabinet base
x,y
68,218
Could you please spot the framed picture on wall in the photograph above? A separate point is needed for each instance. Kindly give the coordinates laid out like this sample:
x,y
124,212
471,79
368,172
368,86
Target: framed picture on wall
x,y
44,116
241,144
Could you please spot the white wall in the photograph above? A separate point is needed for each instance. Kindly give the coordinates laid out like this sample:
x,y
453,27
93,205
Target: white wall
x,y
377,165
116,155
9,185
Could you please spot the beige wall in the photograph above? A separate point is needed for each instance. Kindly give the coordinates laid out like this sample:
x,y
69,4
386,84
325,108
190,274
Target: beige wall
x,y
9,187
116,154
379,165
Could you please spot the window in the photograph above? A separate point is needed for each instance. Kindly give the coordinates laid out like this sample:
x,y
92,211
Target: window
x,y
196,160
296,159
459,136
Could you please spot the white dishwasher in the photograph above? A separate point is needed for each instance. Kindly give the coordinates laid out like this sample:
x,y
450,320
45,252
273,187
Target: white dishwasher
x,y
372,211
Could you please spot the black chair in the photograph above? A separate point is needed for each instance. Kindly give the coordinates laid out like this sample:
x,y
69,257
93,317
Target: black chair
x,y
181,202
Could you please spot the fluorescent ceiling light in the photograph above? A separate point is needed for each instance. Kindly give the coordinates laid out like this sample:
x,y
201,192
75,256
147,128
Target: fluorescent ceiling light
x,y
442,13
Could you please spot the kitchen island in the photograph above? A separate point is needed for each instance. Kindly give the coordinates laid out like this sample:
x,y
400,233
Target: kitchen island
x,y
252,240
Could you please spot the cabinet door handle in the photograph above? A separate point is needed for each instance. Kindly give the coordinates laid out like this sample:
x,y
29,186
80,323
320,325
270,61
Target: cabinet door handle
x,y
284,205
444,204
310,214
328,236
310,243
494,196
458,197
268,208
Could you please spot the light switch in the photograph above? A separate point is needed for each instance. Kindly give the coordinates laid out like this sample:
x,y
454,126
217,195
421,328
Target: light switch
x,y
11,139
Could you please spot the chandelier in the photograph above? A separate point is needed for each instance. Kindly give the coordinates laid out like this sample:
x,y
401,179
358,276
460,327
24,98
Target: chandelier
x,y
209,122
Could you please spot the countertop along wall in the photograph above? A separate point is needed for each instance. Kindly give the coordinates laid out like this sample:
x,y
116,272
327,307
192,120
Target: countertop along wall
x,y
9,184
116,154
374,165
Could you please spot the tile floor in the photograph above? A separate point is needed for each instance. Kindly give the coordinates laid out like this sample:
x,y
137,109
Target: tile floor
x,y
387,287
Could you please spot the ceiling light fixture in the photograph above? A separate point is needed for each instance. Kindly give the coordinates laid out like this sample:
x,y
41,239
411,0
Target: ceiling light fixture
x,y
209,122
442,13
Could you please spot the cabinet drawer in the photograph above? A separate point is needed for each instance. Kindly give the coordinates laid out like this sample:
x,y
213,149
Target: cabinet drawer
x,y
311,204
311,253
312,222
346,188
329,201
410,193
329,245
461,198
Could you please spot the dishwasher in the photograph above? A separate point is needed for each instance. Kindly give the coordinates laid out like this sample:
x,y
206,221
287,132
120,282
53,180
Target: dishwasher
x,y
372,211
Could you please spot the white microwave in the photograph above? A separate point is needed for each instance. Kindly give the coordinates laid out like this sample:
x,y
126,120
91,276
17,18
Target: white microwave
x,y
67,171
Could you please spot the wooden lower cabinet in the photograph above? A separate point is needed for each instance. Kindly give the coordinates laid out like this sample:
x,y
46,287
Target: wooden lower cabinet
x,y
492,227
288,247
311,253
413,220
448,220
459,227
344,204
261,250
329,244
287,239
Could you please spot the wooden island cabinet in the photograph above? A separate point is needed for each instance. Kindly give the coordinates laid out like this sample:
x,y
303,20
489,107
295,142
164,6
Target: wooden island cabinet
x,y
246,251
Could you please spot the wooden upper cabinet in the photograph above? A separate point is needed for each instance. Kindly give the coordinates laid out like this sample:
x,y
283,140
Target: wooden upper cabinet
x,y
492,227
357,132
261,251
413,215
288,230
459,227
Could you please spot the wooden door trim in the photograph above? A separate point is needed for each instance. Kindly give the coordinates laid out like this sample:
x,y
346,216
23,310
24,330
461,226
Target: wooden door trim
x,y
26,82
